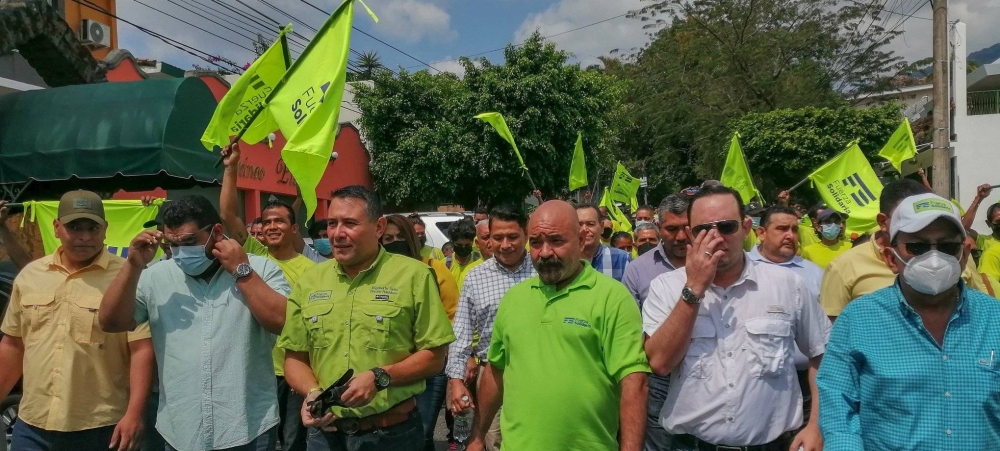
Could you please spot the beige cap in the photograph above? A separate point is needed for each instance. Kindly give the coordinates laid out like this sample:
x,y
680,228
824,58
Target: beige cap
x,y
81,204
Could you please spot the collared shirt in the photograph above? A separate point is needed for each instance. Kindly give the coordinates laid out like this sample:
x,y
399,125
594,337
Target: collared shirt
x,y
213,357
736,384
885,383
985,241
447,287
643,270
485,285
76,377
610,261
460,271
385,314
314,255
807,270
427,251
563,354
822,255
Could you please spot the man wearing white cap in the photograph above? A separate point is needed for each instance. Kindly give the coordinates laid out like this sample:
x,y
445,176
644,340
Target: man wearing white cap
x,y
915,365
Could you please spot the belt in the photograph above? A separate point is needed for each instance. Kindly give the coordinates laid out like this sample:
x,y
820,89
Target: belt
x,y
397,414
779,444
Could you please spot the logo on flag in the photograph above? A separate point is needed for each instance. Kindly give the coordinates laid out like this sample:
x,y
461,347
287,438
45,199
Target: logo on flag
x,y
861,194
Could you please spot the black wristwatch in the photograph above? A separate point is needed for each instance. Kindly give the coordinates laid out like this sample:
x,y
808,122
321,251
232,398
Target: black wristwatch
x,y
382,378
242,270
687,295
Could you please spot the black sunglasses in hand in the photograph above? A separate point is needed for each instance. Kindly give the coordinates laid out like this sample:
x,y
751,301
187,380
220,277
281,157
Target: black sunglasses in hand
x,y
330,397
725,227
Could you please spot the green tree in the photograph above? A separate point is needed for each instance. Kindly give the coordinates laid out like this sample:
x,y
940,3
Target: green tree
x,y
368,63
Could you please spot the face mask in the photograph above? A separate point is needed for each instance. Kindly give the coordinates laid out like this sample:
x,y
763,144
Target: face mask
x,y
322,245
831,231
645,247
607,233
931,273
423,240
463,250
398,247
641,222
193,260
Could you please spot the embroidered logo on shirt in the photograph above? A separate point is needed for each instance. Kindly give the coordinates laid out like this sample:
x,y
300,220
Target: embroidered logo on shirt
x,y
384,290
381,297
576,322
773,308
321,296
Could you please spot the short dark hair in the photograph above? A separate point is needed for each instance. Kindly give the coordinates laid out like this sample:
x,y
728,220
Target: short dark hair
x,y
275,203
315,227
415,219
675,204
258,221
896,191
462,229
646,207
991,211
586,206
716,190
509,213
482,211
619,235
357,192
192,208
765,219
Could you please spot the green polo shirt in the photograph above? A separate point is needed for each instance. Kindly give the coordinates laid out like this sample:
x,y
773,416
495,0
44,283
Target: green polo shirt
x,y
563,354
384,315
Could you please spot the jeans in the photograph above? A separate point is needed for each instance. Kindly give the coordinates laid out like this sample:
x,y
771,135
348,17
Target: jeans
x,y
29,438
657,438
151,438
429,405
293,433
405,436
267,441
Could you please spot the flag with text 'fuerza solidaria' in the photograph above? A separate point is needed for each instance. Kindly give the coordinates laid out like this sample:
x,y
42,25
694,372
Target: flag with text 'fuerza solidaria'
x,y
125,220
500,125
901,145
578,167
246,96
736,174
624,187
848,184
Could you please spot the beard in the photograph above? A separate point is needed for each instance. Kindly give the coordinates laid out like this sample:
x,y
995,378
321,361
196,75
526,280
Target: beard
x,y
550,270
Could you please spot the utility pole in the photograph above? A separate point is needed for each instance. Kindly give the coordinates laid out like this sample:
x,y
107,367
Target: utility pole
x,y
942,103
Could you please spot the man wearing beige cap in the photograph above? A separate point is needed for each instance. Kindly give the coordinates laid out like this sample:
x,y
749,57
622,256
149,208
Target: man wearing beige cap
x,y
84,389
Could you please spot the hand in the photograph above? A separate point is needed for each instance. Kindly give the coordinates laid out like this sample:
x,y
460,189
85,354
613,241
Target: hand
x,y
538,195
471,370
982,192
128,434
475,444
148,200
143,248
783,197
230,254
361,390
458,396
921,173
231,154
4,211
809,439
307,418
702,260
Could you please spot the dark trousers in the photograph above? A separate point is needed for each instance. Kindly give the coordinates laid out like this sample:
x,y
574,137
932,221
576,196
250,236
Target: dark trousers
x,y
29,438
429,405
267,441
293,433
405,436
657,438
151,438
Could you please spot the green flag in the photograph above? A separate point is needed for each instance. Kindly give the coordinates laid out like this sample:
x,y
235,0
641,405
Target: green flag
x,y
625,187
496,120
901,146
620,221
125,220
848,184
246,96
736,174
578,168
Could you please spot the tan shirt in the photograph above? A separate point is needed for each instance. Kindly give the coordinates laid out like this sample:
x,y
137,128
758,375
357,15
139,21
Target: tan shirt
x,y
76,377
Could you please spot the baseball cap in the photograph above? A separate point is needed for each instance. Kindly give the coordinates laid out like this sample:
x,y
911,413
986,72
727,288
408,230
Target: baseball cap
x,y
708,183
825,214
81,204
917,212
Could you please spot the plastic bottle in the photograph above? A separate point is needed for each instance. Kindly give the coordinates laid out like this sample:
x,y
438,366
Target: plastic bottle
x,y
463,424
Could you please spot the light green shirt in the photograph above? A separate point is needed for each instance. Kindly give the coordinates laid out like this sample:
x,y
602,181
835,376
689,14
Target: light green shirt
x,y
985,242
459,271
431,252
563,354
384,315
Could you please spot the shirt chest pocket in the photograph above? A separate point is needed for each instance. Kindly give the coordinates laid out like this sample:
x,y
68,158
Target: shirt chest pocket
x,y
39,314
84,324
699,360
768,346
319,323
379,321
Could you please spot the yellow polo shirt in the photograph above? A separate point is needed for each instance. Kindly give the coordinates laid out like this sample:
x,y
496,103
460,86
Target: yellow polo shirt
x,y
446,285
76,377
985,242
822,255
431,252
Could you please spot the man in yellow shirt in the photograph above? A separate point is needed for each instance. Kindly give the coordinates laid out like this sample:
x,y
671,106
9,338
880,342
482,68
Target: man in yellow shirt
x,y
830,227
862,270
84,389
462,233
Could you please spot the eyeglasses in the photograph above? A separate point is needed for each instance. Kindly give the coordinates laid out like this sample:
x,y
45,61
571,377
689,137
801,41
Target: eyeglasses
x,y
181,237
949,248
725,227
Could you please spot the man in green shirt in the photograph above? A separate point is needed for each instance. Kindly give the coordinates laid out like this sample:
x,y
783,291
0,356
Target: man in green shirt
x,y
373,312
566,355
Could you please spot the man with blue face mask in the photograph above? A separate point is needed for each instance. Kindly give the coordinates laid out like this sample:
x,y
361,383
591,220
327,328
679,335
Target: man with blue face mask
x,y
320,239
915,365
830,228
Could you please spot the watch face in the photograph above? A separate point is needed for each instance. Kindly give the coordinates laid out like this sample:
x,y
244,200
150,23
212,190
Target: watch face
x,y
382,378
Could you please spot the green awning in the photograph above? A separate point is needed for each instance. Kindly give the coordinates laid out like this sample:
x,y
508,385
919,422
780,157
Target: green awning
x,y
136,135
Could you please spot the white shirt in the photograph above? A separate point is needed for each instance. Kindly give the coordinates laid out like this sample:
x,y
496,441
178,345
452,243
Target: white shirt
x,y
736,384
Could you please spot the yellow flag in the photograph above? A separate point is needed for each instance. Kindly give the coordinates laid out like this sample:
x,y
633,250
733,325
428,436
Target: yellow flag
x,y
848,184
901,145
736,174
578,167
125,221
625,187
618,218
498,123
246,96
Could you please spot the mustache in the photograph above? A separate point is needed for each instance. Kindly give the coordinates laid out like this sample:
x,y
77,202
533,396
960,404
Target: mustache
x,y
549,264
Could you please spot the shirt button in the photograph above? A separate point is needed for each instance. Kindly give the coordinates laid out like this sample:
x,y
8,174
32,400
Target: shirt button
x,y
944,357
727,326
731,385
347,323
345,354
947,394
947,431
731,419
729,354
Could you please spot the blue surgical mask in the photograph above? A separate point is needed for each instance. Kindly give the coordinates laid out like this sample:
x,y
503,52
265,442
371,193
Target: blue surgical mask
x,y
193,260
831,231
641,222
322,245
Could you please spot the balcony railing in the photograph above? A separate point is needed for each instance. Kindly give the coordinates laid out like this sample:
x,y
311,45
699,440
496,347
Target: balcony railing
x,y
984,102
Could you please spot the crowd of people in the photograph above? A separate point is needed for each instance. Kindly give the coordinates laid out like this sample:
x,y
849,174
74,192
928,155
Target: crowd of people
x,y
713,325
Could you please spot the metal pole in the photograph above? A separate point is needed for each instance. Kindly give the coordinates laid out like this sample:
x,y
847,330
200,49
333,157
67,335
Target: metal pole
x,y
941,178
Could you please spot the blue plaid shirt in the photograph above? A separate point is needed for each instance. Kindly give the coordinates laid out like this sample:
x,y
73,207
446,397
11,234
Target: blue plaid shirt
x,y
618,259
885,384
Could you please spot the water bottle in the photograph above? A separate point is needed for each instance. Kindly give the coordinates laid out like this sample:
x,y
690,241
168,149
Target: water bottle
x,y
463,423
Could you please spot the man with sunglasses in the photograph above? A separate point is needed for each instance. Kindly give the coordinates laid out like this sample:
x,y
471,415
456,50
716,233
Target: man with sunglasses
x,y
915,365
724,328
214,312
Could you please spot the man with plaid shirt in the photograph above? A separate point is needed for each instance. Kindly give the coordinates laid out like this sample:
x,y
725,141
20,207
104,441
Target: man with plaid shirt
x,y
484,286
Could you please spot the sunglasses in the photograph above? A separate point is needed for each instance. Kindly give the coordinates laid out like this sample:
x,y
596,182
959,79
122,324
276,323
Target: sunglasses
x,y
923,248
726,227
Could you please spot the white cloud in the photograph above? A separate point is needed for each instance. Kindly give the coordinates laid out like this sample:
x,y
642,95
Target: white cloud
x,y
415,20
450,65
587,44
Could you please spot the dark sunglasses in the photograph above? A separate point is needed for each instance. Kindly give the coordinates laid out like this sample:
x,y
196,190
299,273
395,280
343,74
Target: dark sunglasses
x,y
726,227
923,248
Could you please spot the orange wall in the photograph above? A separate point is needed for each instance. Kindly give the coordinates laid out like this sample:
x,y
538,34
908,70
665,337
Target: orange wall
x,y
75,13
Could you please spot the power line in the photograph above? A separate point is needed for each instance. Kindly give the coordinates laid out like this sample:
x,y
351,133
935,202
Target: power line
x,y
238,33
244,25
193,25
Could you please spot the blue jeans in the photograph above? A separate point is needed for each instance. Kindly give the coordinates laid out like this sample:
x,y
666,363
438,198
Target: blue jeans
x,y
151,438
267,441
29,438
293,433
429,405
405,436
657,438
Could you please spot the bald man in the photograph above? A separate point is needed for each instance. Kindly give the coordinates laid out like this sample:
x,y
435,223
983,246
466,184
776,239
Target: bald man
x,y
578,381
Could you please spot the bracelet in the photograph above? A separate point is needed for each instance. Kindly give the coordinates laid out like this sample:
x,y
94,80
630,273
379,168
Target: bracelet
x,y
319,389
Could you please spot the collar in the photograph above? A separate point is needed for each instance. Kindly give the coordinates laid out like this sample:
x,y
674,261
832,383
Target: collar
x,y
907,309
600,250
382,256
749,274
660,256
755,255
586,279
524,261
102,261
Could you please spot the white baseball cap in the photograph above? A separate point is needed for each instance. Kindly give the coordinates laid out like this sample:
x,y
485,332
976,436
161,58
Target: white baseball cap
x,y
915,213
